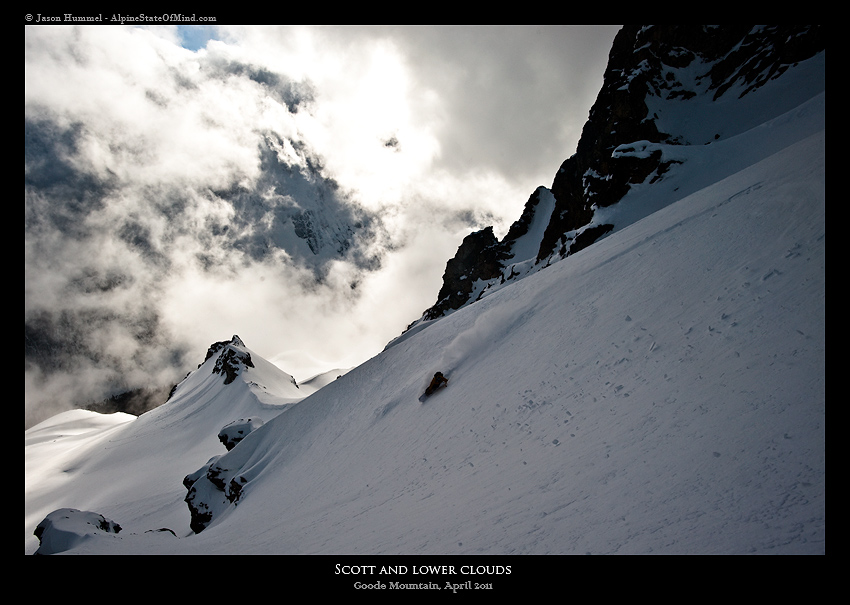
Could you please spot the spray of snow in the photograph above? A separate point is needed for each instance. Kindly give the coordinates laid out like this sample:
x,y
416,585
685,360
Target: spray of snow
x,y
489,328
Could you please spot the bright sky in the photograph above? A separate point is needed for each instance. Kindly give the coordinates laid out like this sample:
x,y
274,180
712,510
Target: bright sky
x,y
137,136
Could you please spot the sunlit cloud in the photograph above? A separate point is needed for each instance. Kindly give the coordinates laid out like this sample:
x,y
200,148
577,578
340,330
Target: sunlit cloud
x,y
302,187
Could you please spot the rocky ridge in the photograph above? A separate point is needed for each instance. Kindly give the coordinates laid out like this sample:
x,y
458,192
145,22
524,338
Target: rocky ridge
x,y
651,69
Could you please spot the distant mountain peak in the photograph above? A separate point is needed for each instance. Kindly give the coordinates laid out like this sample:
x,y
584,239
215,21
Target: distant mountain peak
x,y
232,358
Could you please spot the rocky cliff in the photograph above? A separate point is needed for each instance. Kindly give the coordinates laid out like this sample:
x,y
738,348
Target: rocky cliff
x,y
665,85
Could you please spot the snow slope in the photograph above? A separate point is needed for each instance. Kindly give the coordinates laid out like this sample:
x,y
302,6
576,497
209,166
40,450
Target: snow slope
x,y
662,391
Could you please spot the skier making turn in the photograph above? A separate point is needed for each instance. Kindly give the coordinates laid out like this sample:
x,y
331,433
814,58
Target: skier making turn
x,y
436,382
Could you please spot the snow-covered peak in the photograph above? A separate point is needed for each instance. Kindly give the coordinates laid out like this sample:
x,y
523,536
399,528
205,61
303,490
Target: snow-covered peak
x,y
232,359
155,451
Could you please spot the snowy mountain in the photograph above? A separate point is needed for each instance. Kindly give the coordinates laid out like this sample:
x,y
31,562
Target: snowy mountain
x,y
668,89
659,391
233,383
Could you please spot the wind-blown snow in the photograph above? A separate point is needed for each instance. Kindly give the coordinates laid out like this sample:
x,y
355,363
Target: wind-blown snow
x,y
662,391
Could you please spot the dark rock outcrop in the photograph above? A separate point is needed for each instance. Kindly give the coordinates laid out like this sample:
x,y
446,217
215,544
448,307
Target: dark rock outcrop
x,y
478,258
231,434
211,489
204,494
64,528
642,64
232,358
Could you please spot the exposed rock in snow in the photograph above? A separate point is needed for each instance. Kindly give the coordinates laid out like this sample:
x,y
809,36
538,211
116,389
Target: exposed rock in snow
x,y
231,362
210,491
236,431
66,527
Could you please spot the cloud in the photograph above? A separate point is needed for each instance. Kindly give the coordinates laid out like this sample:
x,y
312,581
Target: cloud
x,y
300,187
510,97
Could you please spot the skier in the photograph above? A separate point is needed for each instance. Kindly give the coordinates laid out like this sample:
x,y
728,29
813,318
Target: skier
x,y
436,383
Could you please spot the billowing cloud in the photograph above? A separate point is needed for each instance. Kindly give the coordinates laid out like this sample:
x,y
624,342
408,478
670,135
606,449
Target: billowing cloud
x,y
300,187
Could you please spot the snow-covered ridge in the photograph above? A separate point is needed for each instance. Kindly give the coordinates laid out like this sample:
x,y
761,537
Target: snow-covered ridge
x,y
152,449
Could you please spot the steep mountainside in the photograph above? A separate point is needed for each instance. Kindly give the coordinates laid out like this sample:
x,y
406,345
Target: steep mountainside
x,y
666,88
